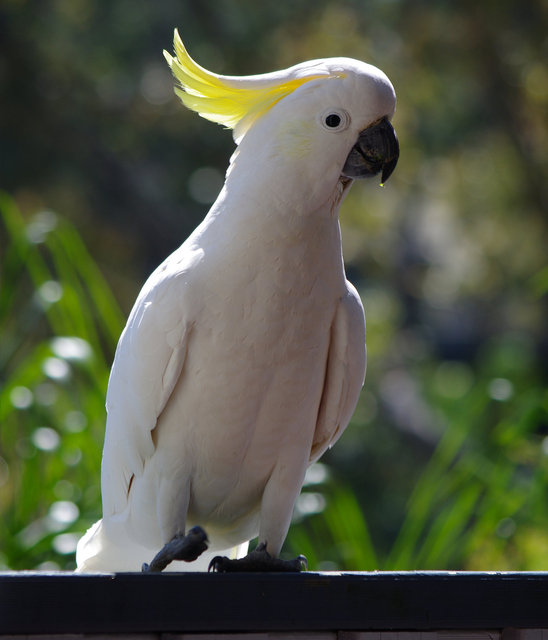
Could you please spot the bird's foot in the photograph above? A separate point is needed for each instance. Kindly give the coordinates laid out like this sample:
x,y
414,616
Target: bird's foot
x,y
257,560
181,547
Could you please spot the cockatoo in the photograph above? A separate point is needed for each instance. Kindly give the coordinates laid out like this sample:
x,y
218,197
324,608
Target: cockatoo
x,y
244,355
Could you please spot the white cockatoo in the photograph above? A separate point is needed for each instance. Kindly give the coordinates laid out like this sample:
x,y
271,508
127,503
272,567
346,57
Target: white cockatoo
x,y
244,355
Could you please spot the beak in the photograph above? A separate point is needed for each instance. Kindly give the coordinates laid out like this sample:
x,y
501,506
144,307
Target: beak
x,y
376,150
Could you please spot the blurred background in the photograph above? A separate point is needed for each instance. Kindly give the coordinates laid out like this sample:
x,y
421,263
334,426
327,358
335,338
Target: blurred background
x,y
103,173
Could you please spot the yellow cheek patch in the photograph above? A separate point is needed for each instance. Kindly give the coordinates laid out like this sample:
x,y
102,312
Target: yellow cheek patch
x,y
294,139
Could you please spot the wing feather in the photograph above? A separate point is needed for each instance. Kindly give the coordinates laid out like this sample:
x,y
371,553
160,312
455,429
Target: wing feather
x,y
345,373
149,360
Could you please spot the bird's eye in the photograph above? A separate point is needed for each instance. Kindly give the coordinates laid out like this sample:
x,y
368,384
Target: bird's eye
x,y
335,119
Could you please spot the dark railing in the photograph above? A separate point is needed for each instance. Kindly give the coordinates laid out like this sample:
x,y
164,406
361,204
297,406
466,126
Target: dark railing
x,y
131,603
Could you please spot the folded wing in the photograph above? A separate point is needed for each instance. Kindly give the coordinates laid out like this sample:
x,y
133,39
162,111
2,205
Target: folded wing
x,y
149,360
345,372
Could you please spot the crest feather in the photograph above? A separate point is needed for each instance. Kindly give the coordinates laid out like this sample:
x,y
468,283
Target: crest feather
x,y
235,102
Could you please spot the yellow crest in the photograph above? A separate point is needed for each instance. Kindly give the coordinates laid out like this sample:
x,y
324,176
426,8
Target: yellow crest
x,y
228,100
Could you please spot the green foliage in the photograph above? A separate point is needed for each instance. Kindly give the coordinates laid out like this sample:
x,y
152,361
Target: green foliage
x,y
59,325
478,504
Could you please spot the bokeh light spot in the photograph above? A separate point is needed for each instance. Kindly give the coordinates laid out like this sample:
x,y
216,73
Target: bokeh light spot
x,y
71,348
204,185
56,369
500,389
63,512
21,397
46,439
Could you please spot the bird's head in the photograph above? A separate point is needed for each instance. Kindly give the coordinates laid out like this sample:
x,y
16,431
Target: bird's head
x,y
333,112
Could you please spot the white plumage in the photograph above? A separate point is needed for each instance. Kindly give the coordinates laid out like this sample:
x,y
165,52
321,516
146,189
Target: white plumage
x,y
244,355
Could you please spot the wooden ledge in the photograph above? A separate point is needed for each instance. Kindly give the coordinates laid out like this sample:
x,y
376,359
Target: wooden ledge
x,y
57,603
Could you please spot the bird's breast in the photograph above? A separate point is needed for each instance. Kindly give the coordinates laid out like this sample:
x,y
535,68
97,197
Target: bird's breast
x,y
251,384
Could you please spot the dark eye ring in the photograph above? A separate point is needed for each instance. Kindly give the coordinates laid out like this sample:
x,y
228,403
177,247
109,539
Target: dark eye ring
x,y
333,120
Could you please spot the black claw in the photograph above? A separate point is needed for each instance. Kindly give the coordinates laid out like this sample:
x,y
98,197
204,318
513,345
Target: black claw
x,y
194,544
181,547
217,563
258,560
